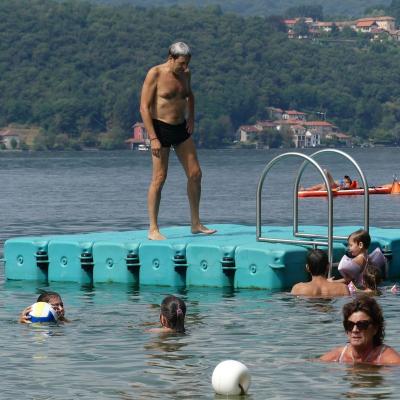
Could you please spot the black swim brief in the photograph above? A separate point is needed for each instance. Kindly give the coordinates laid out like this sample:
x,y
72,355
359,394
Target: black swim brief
x,y
170,135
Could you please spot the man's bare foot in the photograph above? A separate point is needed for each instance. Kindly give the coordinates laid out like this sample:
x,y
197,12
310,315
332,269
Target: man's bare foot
x,y
203,229
155,235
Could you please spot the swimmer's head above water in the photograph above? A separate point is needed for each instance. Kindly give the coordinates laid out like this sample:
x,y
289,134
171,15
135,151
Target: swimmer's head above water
x,y
179,49
54,299
317,263
172,314
359,241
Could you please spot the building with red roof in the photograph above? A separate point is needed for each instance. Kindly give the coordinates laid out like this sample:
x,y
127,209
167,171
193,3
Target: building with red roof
x,y
9,140
139,136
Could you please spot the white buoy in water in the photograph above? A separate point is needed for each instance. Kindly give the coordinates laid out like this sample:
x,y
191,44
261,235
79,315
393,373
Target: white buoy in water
x,y
231,377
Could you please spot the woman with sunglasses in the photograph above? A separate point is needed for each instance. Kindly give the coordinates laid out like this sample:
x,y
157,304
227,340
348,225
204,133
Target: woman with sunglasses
x,y
364,325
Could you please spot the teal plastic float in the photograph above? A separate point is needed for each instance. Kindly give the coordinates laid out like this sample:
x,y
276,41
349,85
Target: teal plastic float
x,y
230,258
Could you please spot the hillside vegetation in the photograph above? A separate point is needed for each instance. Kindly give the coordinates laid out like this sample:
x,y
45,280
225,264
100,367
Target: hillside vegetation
x,y
76,69
343,8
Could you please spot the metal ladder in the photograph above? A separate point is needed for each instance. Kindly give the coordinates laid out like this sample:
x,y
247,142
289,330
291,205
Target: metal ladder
x,y
329,237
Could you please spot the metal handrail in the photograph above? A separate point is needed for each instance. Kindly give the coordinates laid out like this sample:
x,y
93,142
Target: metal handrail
x,y
296,200
329,237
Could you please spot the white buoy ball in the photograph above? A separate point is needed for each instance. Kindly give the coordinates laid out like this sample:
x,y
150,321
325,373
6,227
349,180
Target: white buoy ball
x,y
231,377
42,312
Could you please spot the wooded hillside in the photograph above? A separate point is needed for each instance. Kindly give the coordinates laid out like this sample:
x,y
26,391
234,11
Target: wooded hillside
x,y
344,8
76,69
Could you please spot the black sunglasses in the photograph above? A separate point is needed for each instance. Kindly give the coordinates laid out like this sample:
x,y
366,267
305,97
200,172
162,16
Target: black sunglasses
x,y
361,325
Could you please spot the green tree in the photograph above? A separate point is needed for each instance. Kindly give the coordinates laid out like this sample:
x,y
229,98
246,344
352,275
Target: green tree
x,y
313,11
13,143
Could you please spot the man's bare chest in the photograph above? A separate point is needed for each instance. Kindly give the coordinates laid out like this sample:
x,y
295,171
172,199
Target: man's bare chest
x,y
173,88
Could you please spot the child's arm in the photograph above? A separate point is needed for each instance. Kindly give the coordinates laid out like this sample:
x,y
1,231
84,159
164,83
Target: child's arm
x,y
340,280
361,260
24,317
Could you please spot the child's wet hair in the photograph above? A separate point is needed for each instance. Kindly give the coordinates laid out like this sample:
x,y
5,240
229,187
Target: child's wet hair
x,y
372,277
46,296
173,309
361,236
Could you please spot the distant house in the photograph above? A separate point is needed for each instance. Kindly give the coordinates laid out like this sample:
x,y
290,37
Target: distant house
x,y
291,34
264,125
275,113
323,128
340,137
303,138
139,136
384,22
290,23
287,122
380,34
248,133
307,133
321,26
8,138
396,35
366,26
345,24
304,133
299,136
294,115
313,139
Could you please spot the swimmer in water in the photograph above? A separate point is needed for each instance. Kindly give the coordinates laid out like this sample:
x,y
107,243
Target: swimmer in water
x,y
317,266
352,268
372,277
52,298
172,316
364,325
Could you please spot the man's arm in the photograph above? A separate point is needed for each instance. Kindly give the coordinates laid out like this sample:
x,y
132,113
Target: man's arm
x,y
190,100
146,102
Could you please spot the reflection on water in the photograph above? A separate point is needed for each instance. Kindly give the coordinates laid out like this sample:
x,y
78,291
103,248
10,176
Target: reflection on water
x,y
166,347
321,305
366,381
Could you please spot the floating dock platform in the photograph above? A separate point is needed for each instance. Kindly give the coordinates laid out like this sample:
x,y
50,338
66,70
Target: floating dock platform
x,y
231,257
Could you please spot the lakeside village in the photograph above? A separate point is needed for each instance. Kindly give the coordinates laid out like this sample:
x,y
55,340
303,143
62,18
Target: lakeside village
x,y
285,128
377,28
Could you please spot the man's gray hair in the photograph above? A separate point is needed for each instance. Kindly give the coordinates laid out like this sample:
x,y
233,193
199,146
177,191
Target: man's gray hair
x,y
179,49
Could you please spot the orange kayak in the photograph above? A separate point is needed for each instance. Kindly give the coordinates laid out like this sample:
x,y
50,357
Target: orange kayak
x,y
386,189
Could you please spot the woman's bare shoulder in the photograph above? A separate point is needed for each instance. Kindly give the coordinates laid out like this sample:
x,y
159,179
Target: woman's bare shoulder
x,y
390,356
332,355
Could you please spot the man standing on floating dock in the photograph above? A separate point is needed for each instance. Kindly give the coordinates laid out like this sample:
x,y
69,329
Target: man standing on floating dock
x,y
167,109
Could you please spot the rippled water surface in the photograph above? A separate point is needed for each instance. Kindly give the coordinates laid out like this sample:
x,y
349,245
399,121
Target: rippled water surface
x,y
106,353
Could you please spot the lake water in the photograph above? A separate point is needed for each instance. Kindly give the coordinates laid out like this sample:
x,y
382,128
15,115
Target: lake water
x,y
106,353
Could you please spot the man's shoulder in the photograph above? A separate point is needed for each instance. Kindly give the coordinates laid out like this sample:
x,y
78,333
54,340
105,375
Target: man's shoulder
x,y
337,289
156,70
301,288
340,286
